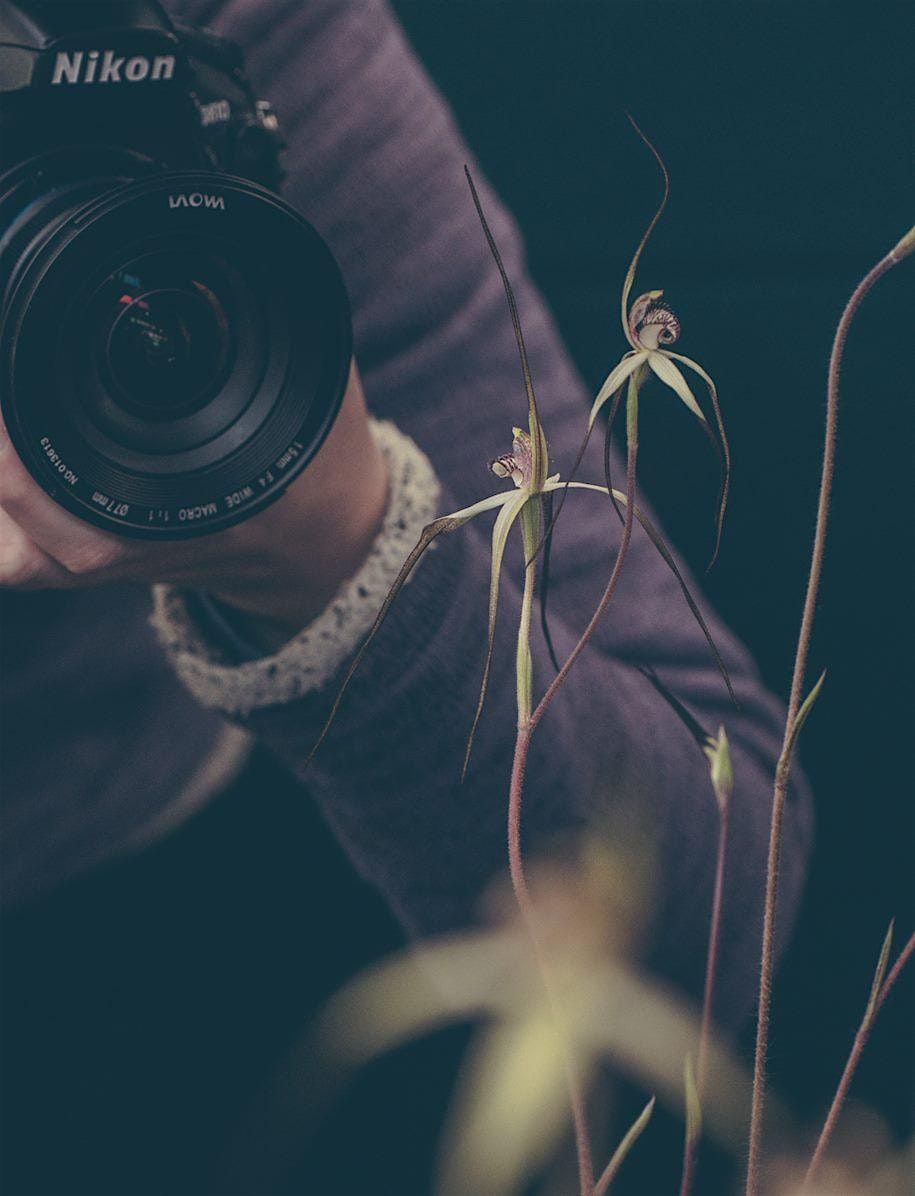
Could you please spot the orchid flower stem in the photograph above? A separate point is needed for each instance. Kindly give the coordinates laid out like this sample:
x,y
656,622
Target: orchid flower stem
x,y
527,721
708,998
632,433
854,1058
531,527
783,768
711,966
528,913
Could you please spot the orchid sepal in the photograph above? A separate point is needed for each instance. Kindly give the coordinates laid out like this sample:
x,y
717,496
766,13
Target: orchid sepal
x,y
665,369
615,379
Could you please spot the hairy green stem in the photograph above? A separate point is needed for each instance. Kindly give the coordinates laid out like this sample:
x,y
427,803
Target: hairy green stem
x,y
526,725
864,1030
783,768
708,998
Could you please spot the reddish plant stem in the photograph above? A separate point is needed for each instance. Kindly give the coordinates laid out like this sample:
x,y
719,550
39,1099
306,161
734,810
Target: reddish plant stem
x,y
783,768
708,996
529,915
519,765
864,1030
632,449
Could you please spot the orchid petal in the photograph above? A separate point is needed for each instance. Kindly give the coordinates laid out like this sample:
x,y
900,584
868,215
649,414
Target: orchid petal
x,y
459,518
510,1109
725,448
446,523
634,264
671,376
615,379
501,527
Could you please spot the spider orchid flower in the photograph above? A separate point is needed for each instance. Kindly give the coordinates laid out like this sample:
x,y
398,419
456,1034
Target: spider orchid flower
x,y
527,465
508,1115
650,326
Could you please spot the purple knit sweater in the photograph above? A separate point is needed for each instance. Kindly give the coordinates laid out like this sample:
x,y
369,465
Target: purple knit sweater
x,y
376,164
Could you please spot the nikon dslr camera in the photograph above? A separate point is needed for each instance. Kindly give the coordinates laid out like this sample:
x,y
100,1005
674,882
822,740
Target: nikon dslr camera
x,y
175,340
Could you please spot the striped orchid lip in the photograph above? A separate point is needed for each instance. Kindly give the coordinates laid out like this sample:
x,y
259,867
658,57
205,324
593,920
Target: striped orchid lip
x,y
518,464
652,323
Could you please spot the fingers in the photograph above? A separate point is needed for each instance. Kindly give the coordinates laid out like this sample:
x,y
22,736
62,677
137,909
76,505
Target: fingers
x,y
75,547
23,565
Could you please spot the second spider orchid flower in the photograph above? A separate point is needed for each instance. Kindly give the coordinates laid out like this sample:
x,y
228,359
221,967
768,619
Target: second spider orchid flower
x,y
650,326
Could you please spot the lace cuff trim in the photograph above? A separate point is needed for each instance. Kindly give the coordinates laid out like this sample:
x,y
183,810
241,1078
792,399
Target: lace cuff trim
x,y
310,659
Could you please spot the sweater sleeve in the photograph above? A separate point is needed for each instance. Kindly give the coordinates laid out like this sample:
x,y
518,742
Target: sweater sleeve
x,y
376,164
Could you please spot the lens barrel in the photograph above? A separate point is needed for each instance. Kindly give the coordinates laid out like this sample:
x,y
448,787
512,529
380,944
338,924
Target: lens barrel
x,y
173,353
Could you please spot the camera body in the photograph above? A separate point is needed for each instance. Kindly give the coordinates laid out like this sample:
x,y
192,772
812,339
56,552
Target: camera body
x,y
175,340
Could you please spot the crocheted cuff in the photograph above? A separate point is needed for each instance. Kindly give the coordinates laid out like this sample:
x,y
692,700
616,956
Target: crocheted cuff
x,y
310,659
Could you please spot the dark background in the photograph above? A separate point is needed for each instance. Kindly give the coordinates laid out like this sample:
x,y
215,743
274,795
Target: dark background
x,y
787,133
788,137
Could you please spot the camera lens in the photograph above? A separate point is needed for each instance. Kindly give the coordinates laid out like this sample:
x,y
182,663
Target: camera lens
x,y
166,349
173,353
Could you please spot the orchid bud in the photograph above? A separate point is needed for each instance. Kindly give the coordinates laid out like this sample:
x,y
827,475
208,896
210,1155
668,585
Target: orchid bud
x,y
722,771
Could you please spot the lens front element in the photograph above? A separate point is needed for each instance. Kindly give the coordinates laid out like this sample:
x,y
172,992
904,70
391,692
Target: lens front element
x,y
169,368
166,349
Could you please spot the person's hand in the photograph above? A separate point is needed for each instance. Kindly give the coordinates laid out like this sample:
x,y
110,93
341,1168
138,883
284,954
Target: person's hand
x,y
282,565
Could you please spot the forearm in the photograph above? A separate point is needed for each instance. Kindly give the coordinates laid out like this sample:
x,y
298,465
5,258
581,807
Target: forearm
x,y
301,549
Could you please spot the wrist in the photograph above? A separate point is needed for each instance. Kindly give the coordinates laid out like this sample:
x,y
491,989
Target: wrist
x,y
230,670
302,549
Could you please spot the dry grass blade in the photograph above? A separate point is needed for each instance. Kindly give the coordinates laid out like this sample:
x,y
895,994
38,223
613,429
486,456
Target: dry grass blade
x,y
538,467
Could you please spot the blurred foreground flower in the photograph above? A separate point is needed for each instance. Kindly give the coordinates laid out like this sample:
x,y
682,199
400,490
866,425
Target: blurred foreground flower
x,y
511,1112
